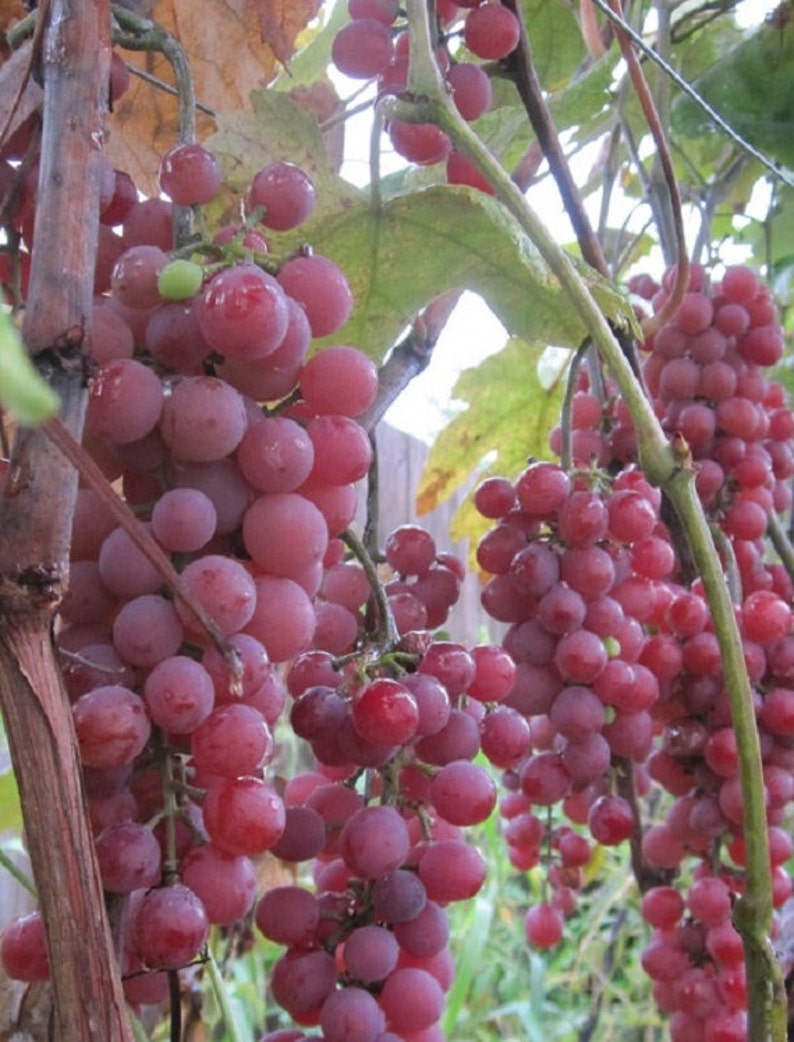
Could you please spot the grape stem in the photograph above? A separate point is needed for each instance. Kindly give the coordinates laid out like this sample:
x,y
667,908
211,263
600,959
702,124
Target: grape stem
x,y
781,543
14,870
668,469
386,632
141,34
234,1031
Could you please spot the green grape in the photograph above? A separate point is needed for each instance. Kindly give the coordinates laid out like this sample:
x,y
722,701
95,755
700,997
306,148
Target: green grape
x,y
180,279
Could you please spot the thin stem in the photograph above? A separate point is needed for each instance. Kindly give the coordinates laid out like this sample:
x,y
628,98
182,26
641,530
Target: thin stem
x,y
387,632
780,540
167,88
537,108
665,161
566,452
141,34
234,1031
14,870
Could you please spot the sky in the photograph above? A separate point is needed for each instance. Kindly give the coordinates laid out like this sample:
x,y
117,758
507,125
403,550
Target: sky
x,y
473,332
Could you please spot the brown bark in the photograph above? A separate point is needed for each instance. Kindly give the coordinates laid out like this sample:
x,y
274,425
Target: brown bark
x,y
35,521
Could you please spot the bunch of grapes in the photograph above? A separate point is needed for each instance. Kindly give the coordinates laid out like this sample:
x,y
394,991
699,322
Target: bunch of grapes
x,y
375,44
240,452
618,666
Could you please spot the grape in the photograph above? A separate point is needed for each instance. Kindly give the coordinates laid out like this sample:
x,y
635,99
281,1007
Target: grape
x,y
125,402
362,48
284,533
223,485
471,89
276,455
283,619
374,841
303,837
243,313
243,816
451,870
190,174
225,885
203,419
386,713
134,281
179,280
173,337
543,925
128,856
111,725
422,143
111,336
491,32
224,588
288,915
425,935
125,194
287,194
124,569
463,793
450,664
183,520
610,820
321,288
382,10
233,740
169,928
412,1000
351,1015
179,694
23,949
370,953
739,284
410,550
302,980
339,380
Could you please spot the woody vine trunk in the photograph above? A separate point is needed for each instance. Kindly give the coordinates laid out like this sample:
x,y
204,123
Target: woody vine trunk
x,y
35,522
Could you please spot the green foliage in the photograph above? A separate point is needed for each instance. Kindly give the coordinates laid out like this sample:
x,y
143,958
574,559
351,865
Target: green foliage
x,y
752,87
23,393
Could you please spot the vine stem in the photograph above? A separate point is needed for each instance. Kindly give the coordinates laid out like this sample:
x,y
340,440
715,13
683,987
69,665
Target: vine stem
x,y
666,468
234,1031
387,630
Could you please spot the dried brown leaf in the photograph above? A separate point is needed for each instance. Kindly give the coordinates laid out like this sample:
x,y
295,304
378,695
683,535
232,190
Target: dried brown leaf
x,y
224,43
281,21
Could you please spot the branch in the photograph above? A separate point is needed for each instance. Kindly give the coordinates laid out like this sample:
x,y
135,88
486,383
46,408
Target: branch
x,y
529,88
35,518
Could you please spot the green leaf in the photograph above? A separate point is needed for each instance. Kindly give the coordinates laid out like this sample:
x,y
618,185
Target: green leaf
x,y
460,239
557,45
23,393
752,88
508,413
10,810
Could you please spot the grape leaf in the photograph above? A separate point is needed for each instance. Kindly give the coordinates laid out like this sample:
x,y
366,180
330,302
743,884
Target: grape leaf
x,y
752,88
23,393
281,21
466,240
508,412
557,45
229,59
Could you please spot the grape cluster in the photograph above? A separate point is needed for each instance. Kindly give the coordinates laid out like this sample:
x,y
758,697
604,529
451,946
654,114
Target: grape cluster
x,y
375,44
240,452
618,666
